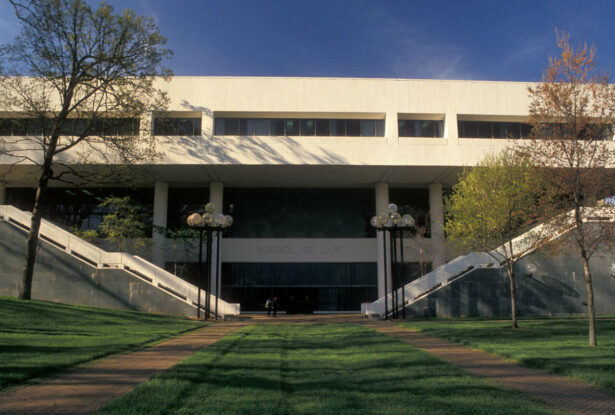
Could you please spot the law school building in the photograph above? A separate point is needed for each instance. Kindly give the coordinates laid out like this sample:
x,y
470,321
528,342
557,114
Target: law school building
x,y
302,164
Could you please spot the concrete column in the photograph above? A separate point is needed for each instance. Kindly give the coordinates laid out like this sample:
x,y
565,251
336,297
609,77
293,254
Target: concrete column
x,y
391,130
436,216
207,123
450,127
382,204
161,202
216,196
2,193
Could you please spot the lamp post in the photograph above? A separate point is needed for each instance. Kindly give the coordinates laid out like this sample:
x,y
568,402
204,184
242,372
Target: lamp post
x,y
394,223
208,223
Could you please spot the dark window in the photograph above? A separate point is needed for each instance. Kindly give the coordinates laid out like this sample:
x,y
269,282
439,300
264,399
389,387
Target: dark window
x,y
338,128
526,130
231,127
484,130
219,126
307,127
20,126
292,127
379,128
353,128
368,128
488,129
258,127
277,127
420,128
323,127
6,127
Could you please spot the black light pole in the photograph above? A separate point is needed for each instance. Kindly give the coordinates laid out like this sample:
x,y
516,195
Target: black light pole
x,y
208,298
208,223
218,270
403,273
200,278
392,221
394,271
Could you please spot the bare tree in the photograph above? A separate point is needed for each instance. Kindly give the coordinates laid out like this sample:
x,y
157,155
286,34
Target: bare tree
x,y
76,83
571,112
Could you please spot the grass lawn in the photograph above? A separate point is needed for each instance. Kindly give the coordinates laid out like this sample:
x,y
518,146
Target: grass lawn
x,y
316,369
39,338
559,345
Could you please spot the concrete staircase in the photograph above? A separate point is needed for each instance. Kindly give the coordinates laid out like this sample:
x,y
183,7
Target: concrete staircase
x,y
463,266
97,258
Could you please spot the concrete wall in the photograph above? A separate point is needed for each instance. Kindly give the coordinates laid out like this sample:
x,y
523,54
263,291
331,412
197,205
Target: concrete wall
x,y
556,287
62,278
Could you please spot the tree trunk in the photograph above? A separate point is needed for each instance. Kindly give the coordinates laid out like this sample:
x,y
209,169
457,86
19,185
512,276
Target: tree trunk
x,y
591,311
25,292
513,295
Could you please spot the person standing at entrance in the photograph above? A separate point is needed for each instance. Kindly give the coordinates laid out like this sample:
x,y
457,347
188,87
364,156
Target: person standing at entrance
x,y
275,304
269,306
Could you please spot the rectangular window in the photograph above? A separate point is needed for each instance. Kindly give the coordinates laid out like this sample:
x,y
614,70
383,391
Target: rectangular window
x,y
323,127
379,128
353,128
420,128
338,128
368,128
292,127
308,127
277,127
489,129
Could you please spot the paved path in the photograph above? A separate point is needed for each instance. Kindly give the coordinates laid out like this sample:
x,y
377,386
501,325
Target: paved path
x,y
557,391
93,385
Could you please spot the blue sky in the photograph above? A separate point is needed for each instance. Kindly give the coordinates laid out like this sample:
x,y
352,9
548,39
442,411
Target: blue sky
x,y
490,40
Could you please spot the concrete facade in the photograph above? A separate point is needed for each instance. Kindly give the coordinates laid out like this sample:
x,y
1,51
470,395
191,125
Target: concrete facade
x,y
381,164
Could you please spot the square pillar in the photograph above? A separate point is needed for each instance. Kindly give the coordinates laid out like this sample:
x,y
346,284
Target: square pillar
x,y
450,127
391,129
436,217
161,203
2,193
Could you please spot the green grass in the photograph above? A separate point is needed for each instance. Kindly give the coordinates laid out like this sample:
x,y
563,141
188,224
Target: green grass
x,y
38,338
558,345
316,369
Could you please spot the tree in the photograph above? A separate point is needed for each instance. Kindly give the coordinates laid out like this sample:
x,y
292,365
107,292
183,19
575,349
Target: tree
x,y
125,220
571,113
78,81
490,206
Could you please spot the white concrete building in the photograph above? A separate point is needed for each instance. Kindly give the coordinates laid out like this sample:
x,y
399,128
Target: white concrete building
x,y
302,164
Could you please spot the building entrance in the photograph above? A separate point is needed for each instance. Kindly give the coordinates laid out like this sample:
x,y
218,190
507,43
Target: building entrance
x,y
300,287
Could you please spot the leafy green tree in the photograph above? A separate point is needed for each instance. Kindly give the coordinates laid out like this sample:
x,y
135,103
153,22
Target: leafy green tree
x,y
491,205
82,78
126,220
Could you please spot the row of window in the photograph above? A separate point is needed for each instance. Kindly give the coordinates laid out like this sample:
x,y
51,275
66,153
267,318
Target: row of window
x,y
73,126
489,129
177,126
299,127
421,128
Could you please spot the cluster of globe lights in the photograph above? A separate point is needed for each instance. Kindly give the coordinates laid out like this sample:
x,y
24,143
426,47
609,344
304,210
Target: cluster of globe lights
x,y
392,219
209,220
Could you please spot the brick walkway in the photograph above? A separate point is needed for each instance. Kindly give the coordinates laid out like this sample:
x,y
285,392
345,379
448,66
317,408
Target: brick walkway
x,y
93,385
557,391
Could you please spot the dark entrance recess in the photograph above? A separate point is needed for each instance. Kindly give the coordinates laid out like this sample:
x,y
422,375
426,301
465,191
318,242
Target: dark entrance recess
x,y
300,287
